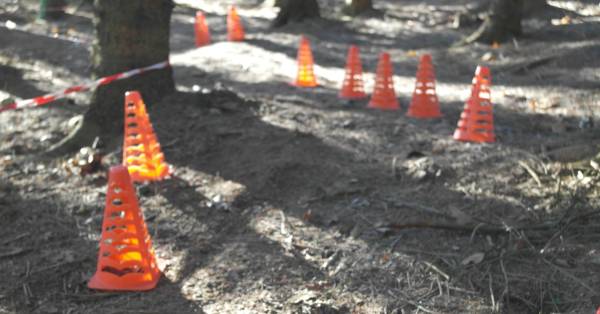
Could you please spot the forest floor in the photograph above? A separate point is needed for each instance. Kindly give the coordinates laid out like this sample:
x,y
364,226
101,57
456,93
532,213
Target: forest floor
x,y
288,200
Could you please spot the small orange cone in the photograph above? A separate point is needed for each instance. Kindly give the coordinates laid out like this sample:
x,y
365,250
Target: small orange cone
x,y
425,103
235,29
353,86
126,259
306,73
201,30
477,120
384,96
141,150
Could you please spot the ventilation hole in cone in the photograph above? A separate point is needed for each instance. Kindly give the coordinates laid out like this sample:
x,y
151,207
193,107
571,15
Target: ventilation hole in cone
x,y
131,115
132,125
108,241
117,202
130,105
105,254
117,214
117,190
122,272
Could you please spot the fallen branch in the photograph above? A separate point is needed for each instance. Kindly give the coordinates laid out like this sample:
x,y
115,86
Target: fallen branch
x,y
483,228
531,172
15,252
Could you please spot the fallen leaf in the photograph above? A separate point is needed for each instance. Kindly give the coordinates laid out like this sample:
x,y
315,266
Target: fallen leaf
x,y
566,20
474,259
488,56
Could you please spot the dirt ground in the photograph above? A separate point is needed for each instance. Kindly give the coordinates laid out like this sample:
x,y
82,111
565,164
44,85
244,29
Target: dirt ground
x,y
286,200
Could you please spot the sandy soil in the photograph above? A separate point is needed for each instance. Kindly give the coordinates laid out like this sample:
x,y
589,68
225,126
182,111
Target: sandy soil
x,y
287,200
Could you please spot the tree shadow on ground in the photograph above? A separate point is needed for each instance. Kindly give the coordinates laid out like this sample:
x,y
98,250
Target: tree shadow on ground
x,y
322,186
49,251
182,27
57,52
11,80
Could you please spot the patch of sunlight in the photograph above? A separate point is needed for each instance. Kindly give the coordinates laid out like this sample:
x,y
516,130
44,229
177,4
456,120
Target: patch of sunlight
x,y
289,232
170,261
256,301
578,7
266,10
247,63
217,190
258,70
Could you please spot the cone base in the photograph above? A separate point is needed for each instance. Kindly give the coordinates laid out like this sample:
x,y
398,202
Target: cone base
x,y
202,44
464,136
304,85
96,283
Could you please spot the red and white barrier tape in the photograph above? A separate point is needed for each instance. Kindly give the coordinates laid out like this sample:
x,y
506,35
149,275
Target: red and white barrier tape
x,y
42,100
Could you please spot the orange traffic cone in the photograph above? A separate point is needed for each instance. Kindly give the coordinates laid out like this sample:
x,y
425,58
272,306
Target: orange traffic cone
x,y
425,102
235,29
353,86
126,259
306,73
141,150
201,30
384,95
477,120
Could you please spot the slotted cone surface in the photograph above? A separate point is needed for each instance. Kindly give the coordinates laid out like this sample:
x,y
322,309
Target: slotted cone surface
x,y
201,30
477,120
384,95
306,74
126,259
142,154
425,103
353,86
235,28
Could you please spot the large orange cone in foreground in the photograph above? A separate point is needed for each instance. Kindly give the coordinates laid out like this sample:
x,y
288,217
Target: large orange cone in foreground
x,y
141,150
425,103
201,30
126,259
306,73
353,86
477,121
235,28
384,95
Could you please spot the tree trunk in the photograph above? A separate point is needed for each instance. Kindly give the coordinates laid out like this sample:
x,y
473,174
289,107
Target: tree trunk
x,y
129,34
356,7
296,11
504,20
52,9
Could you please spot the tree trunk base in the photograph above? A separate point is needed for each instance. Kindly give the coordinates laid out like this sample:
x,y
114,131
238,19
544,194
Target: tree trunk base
x,y
296,11
491,32
84,134
503,23
358,7
504,20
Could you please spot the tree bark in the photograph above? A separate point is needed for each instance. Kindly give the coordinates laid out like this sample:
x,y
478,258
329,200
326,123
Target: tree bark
x,y
296,11
129,34
356,7
504,20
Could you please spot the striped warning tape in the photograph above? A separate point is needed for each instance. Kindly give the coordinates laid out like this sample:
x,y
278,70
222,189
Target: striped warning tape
x,y
42,100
